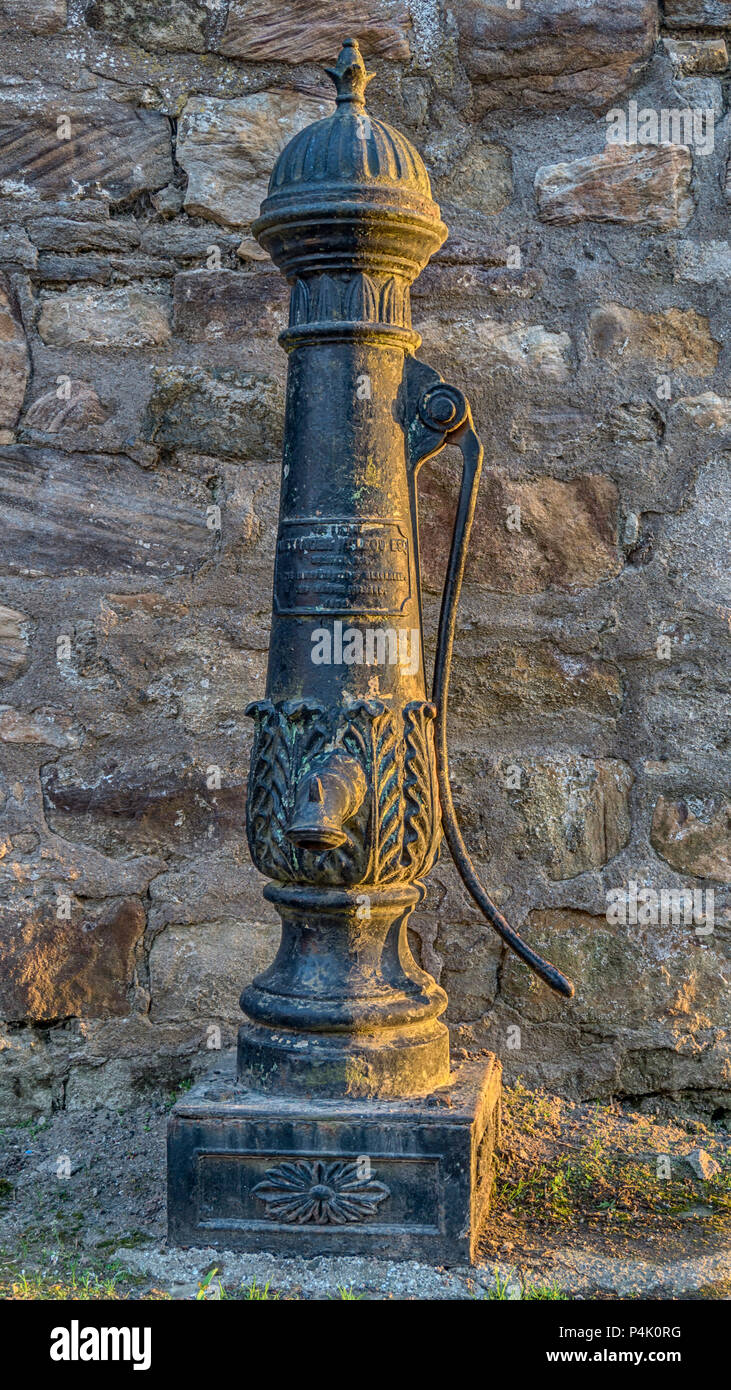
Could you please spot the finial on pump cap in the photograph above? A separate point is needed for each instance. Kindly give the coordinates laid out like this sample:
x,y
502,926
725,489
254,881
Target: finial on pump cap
x,y
350,75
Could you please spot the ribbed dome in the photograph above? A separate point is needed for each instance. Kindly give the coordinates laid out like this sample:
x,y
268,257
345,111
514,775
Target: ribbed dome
x,y
350,195
350,147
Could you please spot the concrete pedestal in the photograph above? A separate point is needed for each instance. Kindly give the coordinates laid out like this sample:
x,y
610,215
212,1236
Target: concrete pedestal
x,y
401,1179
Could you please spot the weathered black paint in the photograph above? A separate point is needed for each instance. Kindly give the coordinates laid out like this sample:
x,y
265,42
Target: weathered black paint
x,y
343,1059
339,764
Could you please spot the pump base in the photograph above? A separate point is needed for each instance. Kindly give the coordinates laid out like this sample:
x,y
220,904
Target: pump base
x,y
406,1061
397,1179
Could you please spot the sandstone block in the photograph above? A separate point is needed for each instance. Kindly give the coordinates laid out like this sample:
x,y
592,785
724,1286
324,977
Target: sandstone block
x,y
77,407
133,802
227,149
519,686
122,318
173,26
640,185
675,338
554,53
694,835
40,17
52,727
575,811
482,178
213,306
707,412
52,968
625,977
16,249
195,970
68,513
311,31
480,343
233,414
65,234
14,359
529,535
108,147
13,643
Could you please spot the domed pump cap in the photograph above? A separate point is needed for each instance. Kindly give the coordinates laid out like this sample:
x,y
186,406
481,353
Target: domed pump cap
x,y
349,191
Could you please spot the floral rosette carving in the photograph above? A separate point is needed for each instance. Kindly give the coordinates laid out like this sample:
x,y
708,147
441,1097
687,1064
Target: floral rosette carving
x,y
320,1194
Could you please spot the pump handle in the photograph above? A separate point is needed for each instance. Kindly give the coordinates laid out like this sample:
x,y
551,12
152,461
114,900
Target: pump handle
x,y
433,408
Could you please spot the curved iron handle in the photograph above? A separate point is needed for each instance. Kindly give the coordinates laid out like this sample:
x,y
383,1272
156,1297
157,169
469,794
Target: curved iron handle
x,y
434,413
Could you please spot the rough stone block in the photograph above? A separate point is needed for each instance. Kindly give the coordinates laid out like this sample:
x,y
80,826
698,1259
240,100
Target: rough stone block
x,y
647,186
675,337
52,728
77,407
625,975
192,967
14,359
478,344
707,412
310,31
691,56
212,306
52,968
107,146
220,412
40,17
528,536
145,803
13,642
554,53
17,250
69,235
703,263
698,14
576,812
521,686
122,318
227,149
482,178
175,26
694,835
96,515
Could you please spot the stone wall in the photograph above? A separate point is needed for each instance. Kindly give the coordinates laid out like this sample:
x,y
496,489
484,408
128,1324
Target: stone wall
x,y
580,302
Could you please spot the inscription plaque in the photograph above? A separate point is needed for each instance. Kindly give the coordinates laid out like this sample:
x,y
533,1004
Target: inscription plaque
x,y
338,565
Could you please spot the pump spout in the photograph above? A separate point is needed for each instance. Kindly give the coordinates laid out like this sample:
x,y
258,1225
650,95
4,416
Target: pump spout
x,y
330,794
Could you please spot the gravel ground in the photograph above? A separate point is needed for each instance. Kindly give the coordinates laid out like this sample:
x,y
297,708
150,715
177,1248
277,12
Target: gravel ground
x,y
85,1193
573,1273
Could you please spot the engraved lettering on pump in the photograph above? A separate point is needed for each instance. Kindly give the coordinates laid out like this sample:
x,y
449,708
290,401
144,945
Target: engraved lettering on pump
x,y
340,565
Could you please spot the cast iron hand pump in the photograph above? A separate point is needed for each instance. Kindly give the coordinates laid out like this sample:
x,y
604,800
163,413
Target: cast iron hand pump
x,y
349,764
346,1130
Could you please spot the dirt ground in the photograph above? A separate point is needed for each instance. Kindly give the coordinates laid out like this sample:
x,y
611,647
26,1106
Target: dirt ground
x,y
590,1201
